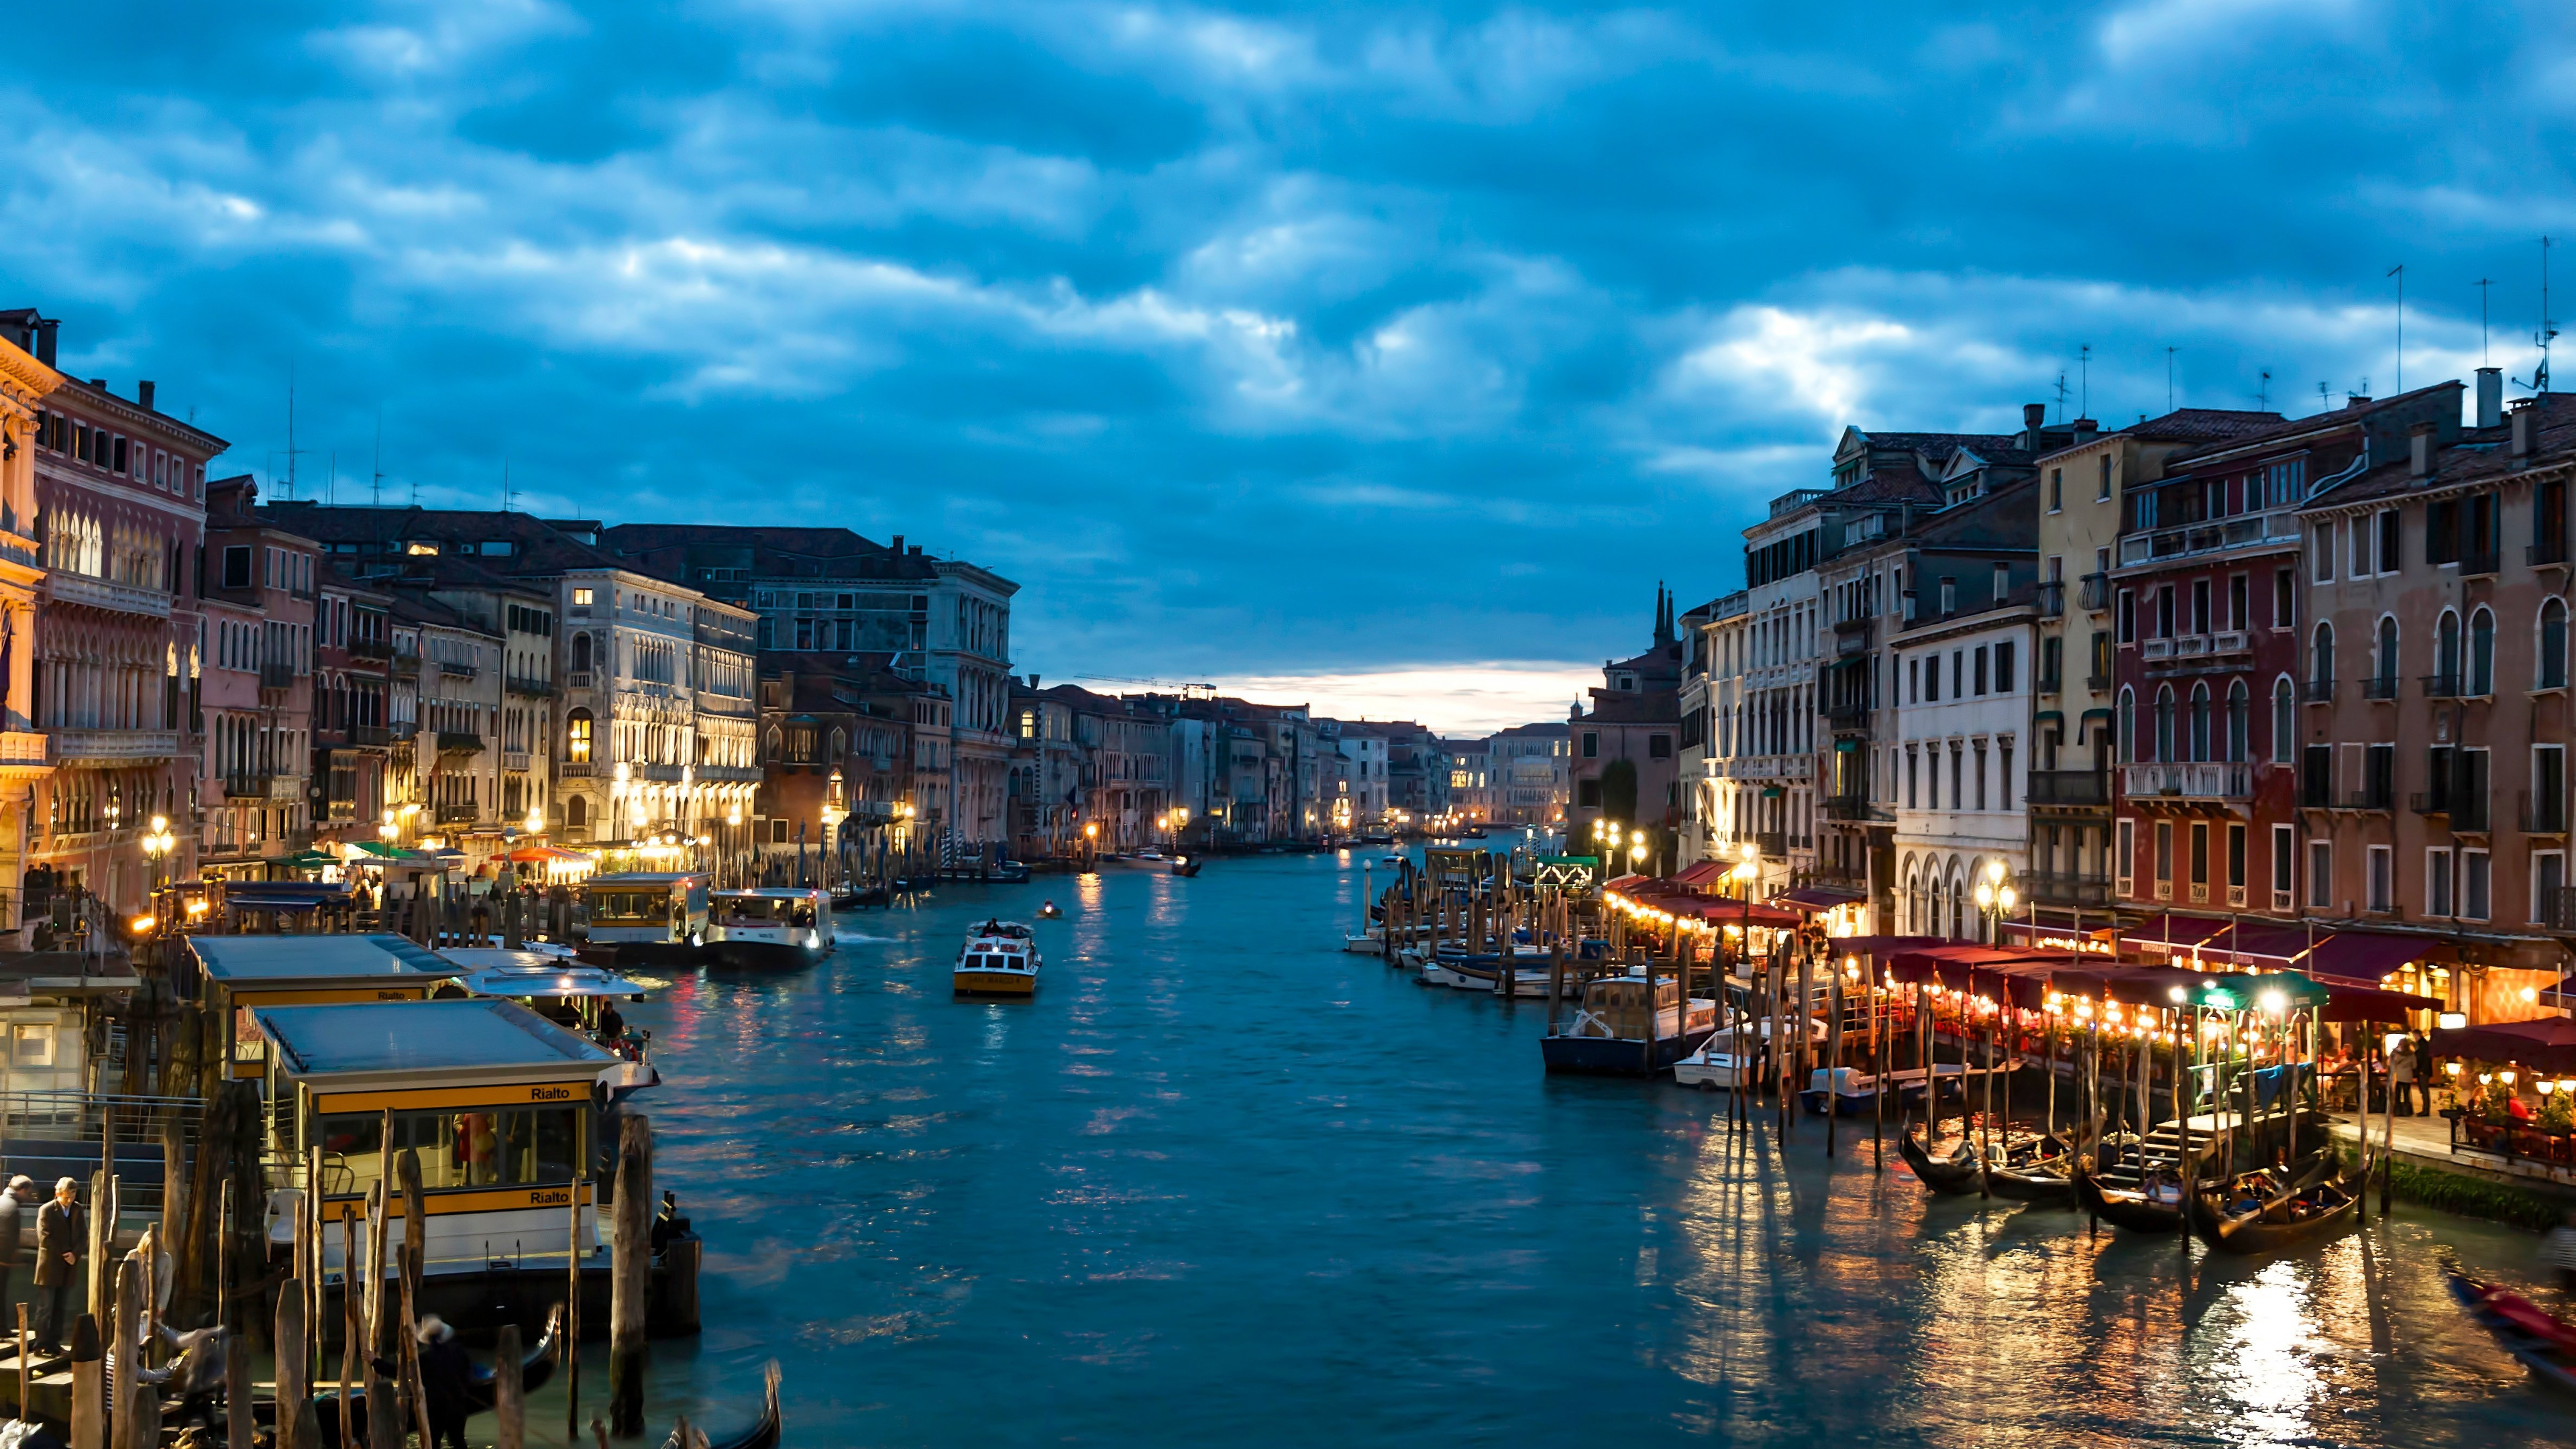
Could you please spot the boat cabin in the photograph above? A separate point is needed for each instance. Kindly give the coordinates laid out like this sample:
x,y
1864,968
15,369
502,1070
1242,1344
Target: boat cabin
x,y
235,976
497,1102
571,993
774,925
649,912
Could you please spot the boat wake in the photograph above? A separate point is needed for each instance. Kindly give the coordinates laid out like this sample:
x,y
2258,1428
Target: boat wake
x,y
861,938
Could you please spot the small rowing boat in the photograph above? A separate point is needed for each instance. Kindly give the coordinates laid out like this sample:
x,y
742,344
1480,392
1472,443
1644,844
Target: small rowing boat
x,y
1952,1174
2545,1343
2033,1169
2154,1207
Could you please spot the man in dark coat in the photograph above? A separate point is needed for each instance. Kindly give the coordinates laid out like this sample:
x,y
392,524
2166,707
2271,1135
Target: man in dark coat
x,y
62,1231
14,1201
445,1382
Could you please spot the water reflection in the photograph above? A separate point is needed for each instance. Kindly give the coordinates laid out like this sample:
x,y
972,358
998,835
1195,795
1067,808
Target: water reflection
x,y
1221,1182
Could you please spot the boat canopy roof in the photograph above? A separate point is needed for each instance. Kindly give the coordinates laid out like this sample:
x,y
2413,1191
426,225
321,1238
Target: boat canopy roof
x,y
495,972
485,1039
633,878
275,961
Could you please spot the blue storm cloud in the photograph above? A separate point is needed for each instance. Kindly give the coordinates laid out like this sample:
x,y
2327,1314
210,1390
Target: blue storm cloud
x,y
1271,340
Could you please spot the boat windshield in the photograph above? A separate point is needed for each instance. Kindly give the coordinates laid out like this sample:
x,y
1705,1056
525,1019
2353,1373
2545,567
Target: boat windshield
x,y
770,910
489,1147
651,906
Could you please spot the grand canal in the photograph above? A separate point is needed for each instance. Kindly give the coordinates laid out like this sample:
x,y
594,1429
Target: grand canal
x,y
1221,1183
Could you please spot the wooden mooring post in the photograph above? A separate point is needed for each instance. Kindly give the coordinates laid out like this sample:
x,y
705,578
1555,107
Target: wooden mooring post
x,y
509,1404
628,1281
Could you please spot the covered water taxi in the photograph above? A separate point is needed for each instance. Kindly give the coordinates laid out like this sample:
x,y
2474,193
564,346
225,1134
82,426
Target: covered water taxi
x,y
1000,958
770,926
505,1111
234,976
1630,1026
645,917
574,995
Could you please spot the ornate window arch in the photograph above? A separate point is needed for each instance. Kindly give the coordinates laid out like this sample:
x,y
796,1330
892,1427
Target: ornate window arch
x,y
2164,741
2321,654
2385,666
2199,748
2446,650
2240,721
2550,669
2482,651
2285,719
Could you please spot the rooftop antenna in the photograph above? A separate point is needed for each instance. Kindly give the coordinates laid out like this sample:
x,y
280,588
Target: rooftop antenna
x,y
2399,272
331,482
505,485
291,451
2325,398
2539,383
376,488
2263,391
2084,360
2169,379
2483,284
2061,394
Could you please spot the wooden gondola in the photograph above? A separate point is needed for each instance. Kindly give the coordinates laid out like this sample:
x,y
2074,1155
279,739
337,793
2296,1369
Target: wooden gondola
x,y
2545,1344
2138,1211
1951,1176
536,1369
2318,1205
764,1432
2034,1171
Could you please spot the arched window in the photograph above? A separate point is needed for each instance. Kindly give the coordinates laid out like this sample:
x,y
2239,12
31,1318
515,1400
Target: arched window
x,y
2387,661
2321,657
2553,645
2164,722
576,812
581,653
2482,652
2128,718
577,737
2446,654
2285,720
2199,721
2240,710
840,744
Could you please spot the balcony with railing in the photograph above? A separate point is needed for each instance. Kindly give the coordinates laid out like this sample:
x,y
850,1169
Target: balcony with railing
x,y
2096,595
451,813
529,685
2052,598
2316,691
1847,807
459,742
515,760
2444,686
576,679
277,674
2557,908
64,587
1847,713
2098,683
2548,553
275,789
2069,787
575,769
1772,843
405,664
84,746
2068,890
2466,810
456,670
2382,687
370,649
2544,814
369,737
2218,536
23,748
2189,780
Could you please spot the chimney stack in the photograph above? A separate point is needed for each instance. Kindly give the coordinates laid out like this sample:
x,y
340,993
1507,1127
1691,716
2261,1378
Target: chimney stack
x,y
2490,397
2526,430
2085,428
2352,400
2419,457
143,394
898,543
2034,416
45,328
1033,680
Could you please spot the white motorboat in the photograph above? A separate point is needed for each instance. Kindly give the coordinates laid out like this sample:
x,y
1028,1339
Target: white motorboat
x,y
1000,958
770,926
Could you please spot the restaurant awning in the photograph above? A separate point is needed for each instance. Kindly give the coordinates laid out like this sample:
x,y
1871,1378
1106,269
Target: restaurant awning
x,y
1704,873
2172,934
2362,958
1722,911
546,855
2548,1044
1817,898
2370,1003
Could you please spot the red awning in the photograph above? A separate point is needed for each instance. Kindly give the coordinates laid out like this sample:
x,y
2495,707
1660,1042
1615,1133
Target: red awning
x,y
2548,1044
2132,985
2369,1003
2172,933
2022,976
1627,883
1705,873
1720,911
1881,945
2361,958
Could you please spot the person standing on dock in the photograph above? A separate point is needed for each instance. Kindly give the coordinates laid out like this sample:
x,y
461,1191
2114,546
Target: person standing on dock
x,y
14,1199
2401,1077
62,1228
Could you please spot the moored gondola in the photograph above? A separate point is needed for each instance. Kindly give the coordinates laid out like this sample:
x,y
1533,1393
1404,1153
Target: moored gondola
x,y
1952,1175
2157,1208
2036,1170
764,1432
2252,1214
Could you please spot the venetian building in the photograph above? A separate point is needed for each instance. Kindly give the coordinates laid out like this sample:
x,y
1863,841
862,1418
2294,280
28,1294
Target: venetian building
x,y
24,383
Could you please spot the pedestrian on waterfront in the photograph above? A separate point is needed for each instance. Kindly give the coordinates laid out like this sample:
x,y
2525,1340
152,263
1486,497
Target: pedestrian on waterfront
x,y
15,1200
61,1227
2401,1077
445,1373
2558,1250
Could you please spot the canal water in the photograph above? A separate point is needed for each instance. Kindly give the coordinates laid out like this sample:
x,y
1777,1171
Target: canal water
x,y
1223,1183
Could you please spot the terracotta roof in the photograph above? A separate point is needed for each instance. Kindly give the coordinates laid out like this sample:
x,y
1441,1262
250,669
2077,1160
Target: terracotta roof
x,y
2330,421
2478,457
1650,706
2203,424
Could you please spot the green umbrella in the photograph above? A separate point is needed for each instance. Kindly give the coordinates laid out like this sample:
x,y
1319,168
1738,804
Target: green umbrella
x,y
309,860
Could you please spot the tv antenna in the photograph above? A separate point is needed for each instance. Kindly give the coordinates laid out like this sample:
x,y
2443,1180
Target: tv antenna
x,y
292,452
2325,397
2084,360
505,485
2061,394
2263,391
2169,379
2483,284
2539,383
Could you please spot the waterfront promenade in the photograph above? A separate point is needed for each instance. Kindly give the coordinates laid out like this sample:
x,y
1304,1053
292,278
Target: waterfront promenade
x,y
1221,1183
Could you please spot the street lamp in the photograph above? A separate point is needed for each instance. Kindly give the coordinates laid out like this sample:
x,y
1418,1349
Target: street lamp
x,y
1995,899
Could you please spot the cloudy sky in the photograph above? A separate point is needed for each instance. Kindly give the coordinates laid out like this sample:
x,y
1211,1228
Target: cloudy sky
x,y
1387,354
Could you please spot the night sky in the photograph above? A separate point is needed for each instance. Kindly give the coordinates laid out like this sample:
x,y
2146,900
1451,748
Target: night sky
x,y
1282,346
